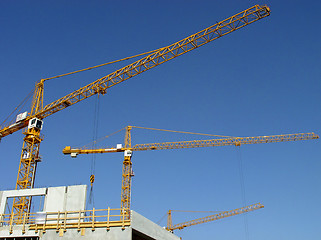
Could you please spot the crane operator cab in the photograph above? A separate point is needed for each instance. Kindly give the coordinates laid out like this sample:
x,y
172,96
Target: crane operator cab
x,y
35,123
128,153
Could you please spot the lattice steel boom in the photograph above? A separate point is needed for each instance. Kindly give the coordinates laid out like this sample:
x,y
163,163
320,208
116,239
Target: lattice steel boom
x,y
236,141
165,54
210,218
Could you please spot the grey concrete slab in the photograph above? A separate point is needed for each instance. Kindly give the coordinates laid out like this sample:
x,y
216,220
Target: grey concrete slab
x,y
17,232
149,228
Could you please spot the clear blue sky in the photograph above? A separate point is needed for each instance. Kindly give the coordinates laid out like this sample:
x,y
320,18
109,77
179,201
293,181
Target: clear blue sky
x,y
261,80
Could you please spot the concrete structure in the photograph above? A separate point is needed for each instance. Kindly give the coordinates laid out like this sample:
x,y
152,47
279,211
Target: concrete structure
x,y
71,198
18,193
65,217
66,198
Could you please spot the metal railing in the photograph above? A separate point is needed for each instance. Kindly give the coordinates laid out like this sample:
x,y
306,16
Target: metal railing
x,y
61,221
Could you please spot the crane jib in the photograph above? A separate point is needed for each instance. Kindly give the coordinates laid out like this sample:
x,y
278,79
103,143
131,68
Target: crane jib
x,y
163,55
236,141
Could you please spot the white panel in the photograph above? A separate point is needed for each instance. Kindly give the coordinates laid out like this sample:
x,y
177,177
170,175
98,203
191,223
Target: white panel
x,y
55,199
21,116
75,201
76,198
25,192
119,146
19,193
2,204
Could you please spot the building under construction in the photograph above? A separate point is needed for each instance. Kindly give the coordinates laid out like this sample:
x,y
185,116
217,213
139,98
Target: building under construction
x,y
64,217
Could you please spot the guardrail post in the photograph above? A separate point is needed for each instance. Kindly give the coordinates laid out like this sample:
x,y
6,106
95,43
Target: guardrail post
x,y
65,221
44,225
108,215
93,221
24,223
58,216
11,221
123,219
79,217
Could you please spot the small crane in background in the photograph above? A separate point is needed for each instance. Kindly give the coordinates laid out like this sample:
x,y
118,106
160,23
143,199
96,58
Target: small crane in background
x,y
224,214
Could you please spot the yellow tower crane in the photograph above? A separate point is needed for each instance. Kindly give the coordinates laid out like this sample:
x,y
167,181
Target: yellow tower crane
x,y
32,122
128,150
224,214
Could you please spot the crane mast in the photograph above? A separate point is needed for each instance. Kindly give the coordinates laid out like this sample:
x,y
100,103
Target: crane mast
x,y
29,156
128,149
126,174
30,150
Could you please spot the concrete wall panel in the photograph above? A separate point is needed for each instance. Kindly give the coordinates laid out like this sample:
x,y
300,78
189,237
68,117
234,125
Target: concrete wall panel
x,y
55,199
19,193
71,198
2,203
76,198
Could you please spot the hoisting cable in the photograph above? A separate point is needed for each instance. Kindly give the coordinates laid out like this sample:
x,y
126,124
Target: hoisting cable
x,y
93,156
81,70
162,218
164,130
240,166
155,129
101,139
101,65
197,211
20,106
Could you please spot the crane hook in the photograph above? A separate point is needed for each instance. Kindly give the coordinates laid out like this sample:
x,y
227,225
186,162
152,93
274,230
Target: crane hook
x,y
92,179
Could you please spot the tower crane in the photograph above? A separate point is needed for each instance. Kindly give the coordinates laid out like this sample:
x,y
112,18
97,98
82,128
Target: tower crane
x,y
32,123
128,149
170,227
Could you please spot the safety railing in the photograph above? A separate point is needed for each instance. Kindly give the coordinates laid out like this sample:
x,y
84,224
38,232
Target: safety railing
x,y
61,221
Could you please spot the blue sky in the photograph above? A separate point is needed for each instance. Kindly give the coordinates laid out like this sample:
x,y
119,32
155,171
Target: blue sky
x,y
261,80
